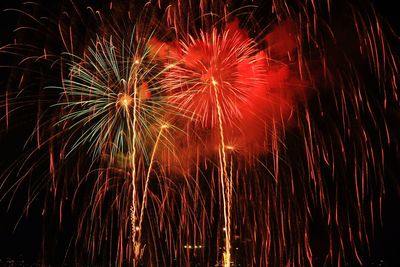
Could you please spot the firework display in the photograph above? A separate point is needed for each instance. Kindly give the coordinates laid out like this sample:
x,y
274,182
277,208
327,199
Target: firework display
x,y
217,133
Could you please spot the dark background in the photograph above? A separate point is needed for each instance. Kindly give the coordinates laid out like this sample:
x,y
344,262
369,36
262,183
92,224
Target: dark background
x,y
21,232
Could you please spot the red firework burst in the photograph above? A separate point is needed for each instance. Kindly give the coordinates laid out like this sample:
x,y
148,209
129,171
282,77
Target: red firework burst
x,y
225,72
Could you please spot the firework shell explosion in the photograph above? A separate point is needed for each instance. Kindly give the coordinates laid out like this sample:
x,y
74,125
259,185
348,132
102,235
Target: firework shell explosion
x,y
219,133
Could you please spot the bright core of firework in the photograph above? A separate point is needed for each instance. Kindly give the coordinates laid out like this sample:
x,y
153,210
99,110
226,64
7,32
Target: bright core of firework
x,y
124,100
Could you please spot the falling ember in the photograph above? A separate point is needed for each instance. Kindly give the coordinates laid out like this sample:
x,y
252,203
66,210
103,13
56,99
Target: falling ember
x,y
6,109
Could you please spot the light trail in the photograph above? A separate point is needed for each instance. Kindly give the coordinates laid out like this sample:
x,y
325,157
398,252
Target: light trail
x,y
225,180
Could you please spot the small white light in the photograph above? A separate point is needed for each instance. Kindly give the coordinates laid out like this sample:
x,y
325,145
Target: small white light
x,y
214,82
